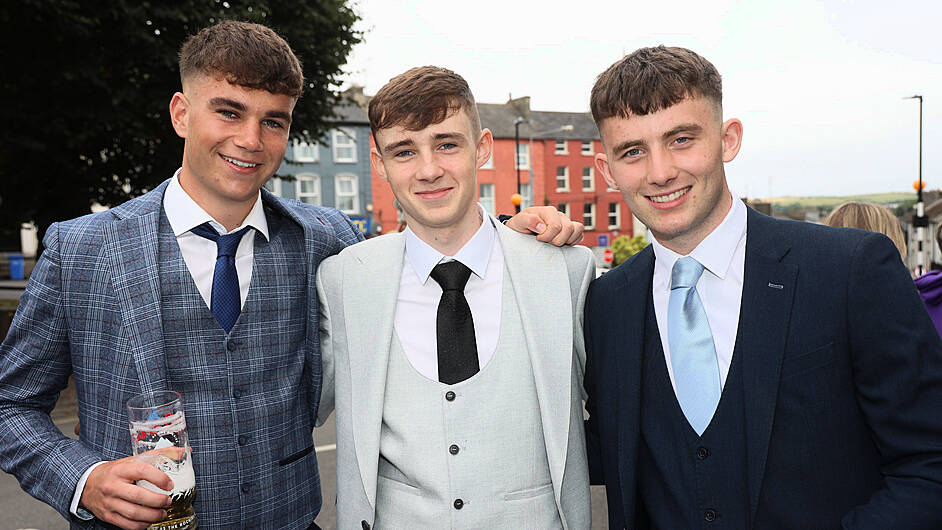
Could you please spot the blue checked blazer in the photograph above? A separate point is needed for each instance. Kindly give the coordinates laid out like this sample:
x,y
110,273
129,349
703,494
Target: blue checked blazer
x,y
92,309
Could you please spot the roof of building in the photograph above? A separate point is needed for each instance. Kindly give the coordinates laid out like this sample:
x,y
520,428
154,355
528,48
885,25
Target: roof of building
x,y
349,112
500,117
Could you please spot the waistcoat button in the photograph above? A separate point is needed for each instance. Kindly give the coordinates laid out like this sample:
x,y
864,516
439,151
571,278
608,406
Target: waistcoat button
x,y
243,439
453,449
703,453
458,504
450,396
246,487
709,516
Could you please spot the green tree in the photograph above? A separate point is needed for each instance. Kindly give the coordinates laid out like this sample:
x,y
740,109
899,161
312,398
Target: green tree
x,y
86,88
623,247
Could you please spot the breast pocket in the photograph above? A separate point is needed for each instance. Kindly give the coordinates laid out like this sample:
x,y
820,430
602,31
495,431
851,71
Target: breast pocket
x,y
806,362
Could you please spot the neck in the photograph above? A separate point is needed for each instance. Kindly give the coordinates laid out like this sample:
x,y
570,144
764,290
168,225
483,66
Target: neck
x,y
685,243
229,213
448,240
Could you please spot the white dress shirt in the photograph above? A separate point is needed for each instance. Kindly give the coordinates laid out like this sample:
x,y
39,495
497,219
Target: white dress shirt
x,y
417,302
723,256
199,254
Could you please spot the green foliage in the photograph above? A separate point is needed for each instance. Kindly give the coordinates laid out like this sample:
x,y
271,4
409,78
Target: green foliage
x,y
623,247
86,87
824,205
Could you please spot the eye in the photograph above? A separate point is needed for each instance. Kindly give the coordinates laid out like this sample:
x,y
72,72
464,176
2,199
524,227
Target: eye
x,y
448,146
227,114
272,124
405,153
683,140
634,152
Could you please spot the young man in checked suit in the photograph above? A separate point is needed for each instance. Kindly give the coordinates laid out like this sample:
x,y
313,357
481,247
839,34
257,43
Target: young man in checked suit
x,y
145,297
452,351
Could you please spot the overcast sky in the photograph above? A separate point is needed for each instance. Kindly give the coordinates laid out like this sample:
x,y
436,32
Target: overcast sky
x,y
818,85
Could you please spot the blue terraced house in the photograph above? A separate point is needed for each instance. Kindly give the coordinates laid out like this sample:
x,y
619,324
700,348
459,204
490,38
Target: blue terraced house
x,y
334,171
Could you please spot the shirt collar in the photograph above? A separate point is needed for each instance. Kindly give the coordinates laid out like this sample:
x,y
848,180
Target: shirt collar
x,y
185,214
475,254
716,250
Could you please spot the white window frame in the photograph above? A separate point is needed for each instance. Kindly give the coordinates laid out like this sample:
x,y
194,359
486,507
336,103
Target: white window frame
x,y
590,151
524,156
316,194
617,216
565,147
563,208
274,186
304,151
344,139
487,199
590,176
565,175
526,193
588,217
355,194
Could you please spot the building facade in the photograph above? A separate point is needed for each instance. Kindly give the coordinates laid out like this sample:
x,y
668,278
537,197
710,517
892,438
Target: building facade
x,y
334,171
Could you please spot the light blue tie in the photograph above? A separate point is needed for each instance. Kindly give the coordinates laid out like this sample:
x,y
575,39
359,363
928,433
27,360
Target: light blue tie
x,y
693,355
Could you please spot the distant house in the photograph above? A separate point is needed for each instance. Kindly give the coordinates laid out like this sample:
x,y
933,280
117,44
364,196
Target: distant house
x,y
334,171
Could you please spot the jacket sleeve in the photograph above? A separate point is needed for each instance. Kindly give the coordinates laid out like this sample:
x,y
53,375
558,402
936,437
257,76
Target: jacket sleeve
x,y
897,362
35,364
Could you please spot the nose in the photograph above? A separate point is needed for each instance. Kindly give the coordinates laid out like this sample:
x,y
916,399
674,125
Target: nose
x,y
429,168
661,168
249,136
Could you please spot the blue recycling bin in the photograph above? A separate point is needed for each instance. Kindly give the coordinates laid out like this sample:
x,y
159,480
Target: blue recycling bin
x,y
16,267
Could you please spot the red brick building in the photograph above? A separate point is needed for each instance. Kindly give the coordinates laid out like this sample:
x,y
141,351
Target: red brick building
x,y
557,167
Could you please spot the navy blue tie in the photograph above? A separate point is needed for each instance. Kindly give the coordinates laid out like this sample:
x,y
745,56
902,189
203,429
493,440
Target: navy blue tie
x,y
226,300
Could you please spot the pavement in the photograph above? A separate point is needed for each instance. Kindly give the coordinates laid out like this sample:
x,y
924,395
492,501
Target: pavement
x,y
20,511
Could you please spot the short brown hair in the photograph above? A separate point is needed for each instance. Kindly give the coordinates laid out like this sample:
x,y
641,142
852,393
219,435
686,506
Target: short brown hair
x,y
651,79
870,217
420,97
248,55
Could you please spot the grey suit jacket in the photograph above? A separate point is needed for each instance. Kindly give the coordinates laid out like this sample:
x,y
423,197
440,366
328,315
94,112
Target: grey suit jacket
x,y
358,290
92,308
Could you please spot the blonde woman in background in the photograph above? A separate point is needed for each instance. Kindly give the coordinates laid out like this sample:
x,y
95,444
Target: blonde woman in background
x,y
871,217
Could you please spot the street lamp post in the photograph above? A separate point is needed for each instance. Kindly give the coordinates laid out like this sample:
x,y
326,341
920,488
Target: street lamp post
x,y
517,123
920,222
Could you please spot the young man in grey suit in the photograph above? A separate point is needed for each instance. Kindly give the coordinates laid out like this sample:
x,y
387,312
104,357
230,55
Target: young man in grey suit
x,y
744,371
452,351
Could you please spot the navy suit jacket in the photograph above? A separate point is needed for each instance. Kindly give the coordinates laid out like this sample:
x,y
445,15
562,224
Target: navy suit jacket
x,y
842,380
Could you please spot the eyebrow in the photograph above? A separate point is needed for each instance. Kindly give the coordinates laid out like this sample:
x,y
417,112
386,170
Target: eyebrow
x,y
397,145
231,103
409,142
692,128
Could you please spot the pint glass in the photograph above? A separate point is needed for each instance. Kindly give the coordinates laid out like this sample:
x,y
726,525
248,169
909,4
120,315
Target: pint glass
x,y
158,437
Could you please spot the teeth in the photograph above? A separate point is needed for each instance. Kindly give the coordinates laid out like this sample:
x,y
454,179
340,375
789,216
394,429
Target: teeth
x,y
670,197
238,162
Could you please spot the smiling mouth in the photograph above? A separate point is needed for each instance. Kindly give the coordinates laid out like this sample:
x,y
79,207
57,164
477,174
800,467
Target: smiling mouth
x,y
433,194
239,163
673,196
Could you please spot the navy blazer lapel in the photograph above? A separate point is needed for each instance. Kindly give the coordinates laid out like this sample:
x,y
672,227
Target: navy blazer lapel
x,y
768,290
627,337
130,245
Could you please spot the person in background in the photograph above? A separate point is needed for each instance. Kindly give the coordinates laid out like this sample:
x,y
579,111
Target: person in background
x,y
870,217
930,289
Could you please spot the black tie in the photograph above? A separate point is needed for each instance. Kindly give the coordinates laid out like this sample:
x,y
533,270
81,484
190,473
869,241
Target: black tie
x,y
457,349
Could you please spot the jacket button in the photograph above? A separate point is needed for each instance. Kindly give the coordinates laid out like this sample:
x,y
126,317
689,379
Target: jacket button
x,y
365,525
243,439
703,453
450,396
709,515
458,504
453,449
246,487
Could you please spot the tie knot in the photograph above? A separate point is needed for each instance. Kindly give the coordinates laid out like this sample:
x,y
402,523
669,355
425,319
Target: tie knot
x,y
451,276
226,244
685,273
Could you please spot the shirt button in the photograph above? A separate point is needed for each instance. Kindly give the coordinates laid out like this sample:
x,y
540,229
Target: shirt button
x,y
458,504
246,488
450,396
703,453
709,515
243,439
453,449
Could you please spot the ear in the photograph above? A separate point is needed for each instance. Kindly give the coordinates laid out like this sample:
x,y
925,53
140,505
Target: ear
x,y
179,106
376,160
601,164
732,138
485,147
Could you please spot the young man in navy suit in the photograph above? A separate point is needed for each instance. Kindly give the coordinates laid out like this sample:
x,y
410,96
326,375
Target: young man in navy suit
x,y
747,372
